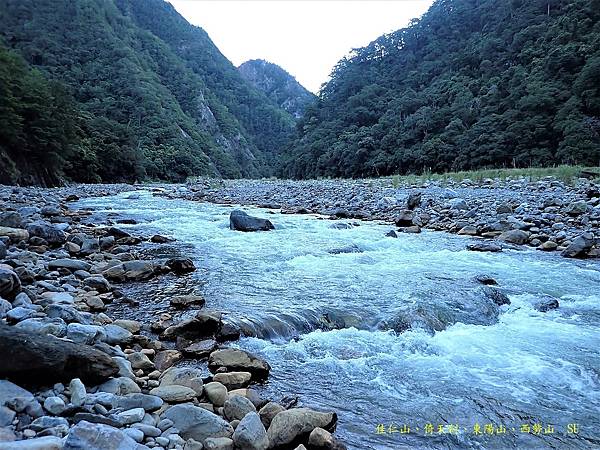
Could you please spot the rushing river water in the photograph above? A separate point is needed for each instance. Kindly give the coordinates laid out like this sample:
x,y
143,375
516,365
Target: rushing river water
x,y
288,288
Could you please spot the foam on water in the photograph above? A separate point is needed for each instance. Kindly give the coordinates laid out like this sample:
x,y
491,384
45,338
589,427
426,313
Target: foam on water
x,y
527,367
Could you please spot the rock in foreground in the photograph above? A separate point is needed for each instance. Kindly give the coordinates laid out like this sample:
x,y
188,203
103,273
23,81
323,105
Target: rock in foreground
x,y
38,358
295,425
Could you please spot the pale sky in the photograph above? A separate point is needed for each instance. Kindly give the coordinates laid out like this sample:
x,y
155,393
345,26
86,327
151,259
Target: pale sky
x,y
305,37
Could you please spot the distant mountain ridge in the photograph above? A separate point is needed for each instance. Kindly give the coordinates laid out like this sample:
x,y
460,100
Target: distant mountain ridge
x,y
278,85
150,97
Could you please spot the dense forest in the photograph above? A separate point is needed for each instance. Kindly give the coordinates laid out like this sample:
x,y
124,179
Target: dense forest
x,y
472,84
278,85
128,90
125,90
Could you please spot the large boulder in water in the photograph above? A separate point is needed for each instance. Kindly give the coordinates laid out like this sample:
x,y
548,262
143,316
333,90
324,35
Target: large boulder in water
x,y
437,309
240,221
37,358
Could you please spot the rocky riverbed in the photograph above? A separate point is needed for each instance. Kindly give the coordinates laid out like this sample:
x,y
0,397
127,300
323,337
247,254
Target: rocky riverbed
x,y
76,376
548,214
71,377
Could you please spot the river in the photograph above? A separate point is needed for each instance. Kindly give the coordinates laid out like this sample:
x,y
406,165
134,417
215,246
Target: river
x,y
315,299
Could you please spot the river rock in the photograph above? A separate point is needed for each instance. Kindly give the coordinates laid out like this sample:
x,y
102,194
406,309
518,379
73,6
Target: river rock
x,y
130,271
228,332
117,335
14,234
294,425
174,393
221,443
78,392
10,391
85,334
139,360
201,349
180,265
236,360
10,284
3,250
484,247
233,380
204,324
97,283
580,246
65,312
236,407
458,204
216,393
43,358
546,304
58,298
404,218
240,221
577,208
446,306
167,358
19,400
514,237
184,301
45,422
130,416
54,405
485,279
69,264
497,296
197,423
95,436
268,412
183,376
39,443
548,246
120,386
11,219
50,233
413,200
250,434
320,439
137,400
133,326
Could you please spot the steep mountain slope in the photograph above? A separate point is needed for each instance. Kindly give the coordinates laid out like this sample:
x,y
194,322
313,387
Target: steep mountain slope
x,y
261,121
37,124
473,83
278,85
143,110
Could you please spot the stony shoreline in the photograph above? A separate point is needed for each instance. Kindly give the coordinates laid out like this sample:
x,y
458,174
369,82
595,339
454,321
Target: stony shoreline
x,y
548,214
76,378
72,377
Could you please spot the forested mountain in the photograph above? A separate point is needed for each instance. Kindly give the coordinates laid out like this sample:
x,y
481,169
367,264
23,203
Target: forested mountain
x,y
473,83
146,95
280,86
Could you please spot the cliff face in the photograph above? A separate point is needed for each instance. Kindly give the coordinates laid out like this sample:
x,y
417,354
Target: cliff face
x,y
278,85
